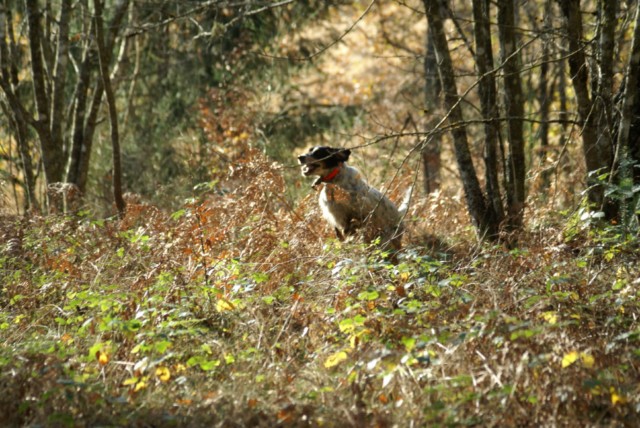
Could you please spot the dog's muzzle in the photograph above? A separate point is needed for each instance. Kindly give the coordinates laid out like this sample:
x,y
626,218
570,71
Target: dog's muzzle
x,y
307,168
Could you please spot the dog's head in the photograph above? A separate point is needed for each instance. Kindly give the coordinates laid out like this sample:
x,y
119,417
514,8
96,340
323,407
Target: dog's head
x,y
322,160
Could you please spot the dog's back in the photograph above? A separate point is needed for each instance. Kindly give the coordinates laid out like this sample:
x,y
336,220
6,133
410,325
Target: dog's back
x,y
349,203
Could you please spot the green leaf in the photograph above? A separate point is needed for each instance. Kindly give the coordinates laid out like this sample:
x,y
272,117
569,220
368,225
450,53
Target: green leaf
x,y
359,319
368,295
346,326
209,365
260,277
268,300
132,325
176,215
409,343
162,346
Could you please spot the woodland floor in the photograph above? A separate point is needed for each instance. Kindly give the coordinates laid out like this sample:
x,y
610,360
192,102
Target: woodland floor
x,y
218,315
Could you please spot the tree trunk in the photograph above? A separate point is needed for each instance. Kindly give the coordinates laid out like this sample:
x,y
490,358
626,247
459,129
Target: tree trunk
x,y
78,148
94,108
113,114
514,108
633,137
606,55
488,106
59,80
8,82
598,155
53,162
476,204
22,140
624,144
431,150
545,95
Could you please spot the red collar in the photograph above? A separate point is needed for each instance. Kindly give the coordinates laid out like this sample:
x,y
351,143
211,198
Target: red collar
x,y
327,178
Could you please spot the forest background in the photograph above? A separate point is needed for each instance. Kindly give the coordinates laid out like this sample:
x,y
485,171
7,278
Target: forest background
x,y
164,263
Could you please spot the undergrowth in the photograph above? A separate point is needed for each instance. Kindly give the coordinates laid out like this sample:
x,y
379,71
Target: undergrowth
x,y
241,310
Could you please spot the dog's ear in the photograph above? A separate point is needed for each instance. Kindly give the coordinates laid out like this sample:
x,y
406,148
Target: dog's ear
x,y
343,155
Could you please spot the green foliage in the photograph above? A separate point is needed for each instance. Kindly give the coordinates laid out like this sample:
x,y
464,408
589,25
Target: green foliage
x,y
106,321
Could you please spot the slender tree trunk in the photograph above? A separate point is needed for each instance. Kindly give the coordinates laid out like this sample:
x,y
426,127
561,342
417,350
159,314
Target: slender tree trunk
x,y
633,137
59,79
603,97
27,164
545,95
631,99
79,111
94,108
113,114
130,109
488,106
598,155
51,152
431,151
563,116
8,82
606,55
514,108
473,193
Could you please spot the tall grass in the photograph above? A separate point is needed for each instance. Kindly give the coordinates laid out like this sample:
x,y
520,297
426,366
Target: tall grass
x,y
240,309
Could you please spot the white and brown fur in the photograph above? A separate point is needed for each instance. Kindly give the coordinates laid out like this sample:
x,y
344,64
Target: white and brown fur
x,y
348,203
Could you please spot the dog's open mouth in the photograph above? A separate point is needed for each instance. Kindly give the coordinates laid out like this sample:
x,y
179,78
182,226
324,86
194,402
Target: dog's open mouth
x,y
308,168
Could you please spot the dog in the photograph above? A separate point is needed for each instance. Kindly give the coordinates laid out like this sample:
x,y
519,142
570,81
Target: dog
x,y
348,203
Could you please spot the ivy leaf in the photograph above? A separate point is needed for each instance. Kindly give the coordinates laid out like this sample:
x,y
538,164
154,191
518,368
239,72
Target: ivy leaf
x,y
163,373
162,346
336,359
223,305
551,317
368,295
131,381
587,360
142,384
208,365
176,215
409,343
268,300
569,358
616,398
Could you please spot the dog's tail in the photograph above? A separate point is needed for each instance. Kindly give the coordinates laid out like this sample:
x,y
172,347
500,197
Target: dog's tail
x,y
406,200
